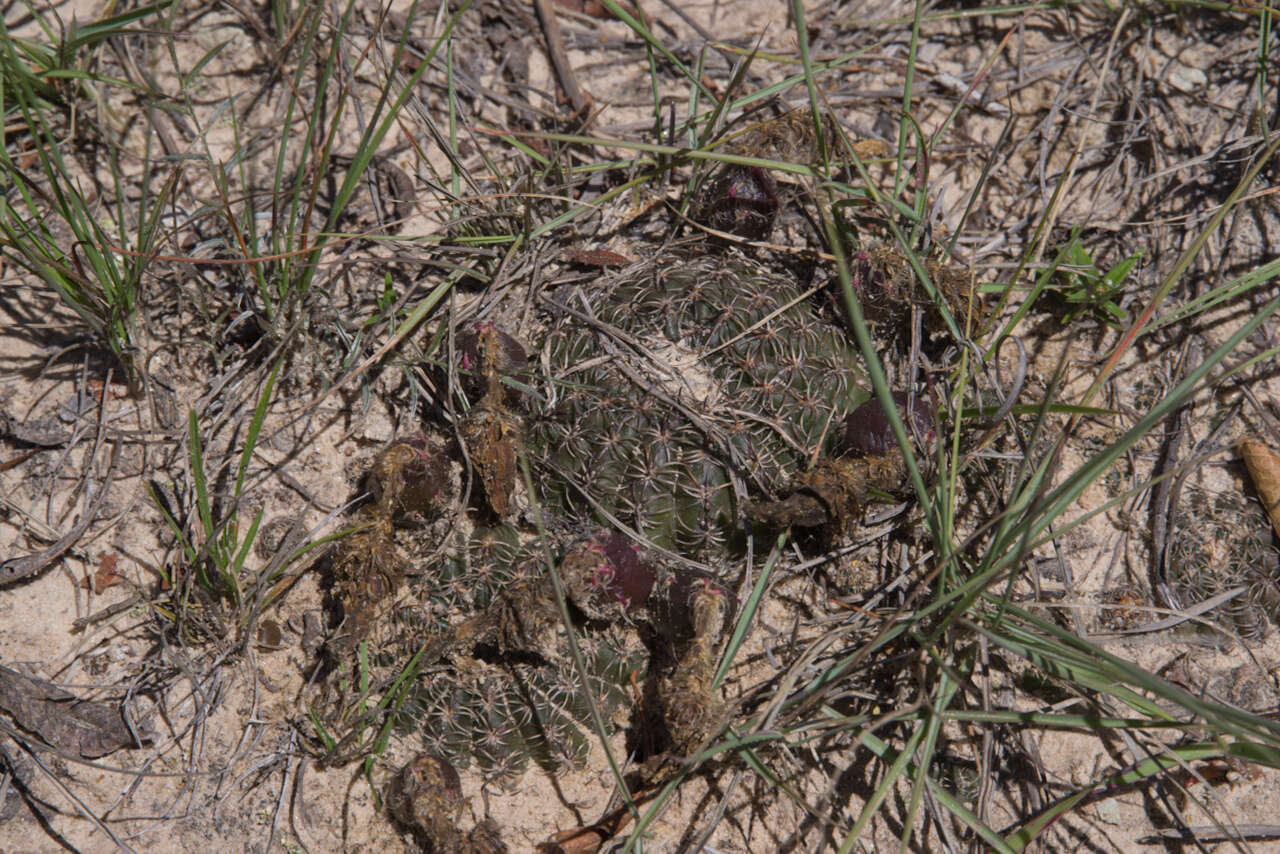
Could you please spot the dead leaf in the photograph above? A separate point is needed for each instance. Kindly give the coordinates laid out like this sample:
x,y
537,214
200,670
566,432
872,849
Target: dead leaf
x,y
596,257
105,576
592,8
1264,469
78,727
866,149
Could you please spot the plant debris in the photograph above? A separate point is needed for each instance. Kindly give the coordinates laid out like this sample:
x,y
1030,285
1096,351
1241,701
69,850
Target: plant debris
x,y
78,727
105,575
1264,469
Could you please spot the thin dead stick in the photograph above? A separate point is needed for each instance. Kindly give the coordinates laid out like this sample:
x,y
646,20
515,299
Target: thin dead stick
x,y
17,568
580,101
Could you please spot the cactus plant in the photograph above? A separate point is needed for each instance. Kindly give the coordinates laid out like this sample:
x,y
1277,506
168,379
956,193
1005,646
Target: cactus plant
x,y
675,373
1219,542
508,693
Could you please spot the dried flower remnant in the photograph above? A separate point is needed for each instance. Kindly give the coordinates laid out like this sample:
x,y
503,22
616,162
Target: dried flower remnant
x,y
426,798
366,570
492,434
410,479
690,707
889,291
487,354
491,431
834,492
788,138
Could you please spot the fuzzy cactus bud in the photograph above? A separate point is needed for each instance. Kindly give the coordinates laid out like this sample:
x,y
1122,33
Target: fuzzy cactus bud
x,y
410,478
485,351
608,572
425,796
743,200
867,431
676,604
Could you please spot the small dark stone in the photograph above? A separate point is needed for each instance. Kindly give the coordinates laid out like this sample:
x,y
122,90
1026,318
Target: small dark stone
x,y
867,431
270,637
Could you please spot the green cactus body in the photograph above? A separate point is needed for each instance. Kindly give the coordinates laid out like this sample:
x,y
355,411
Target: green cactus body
x,y
508,693
1219,542
700,364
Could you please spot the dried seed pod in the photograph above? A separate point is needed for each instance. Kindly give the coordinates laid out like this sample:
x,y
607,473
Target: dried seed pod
x,y
425,796
410,479
889,291
486,354
742,200
690,706
366,569
833,493
867,430
883,284
607,573
1264,469
710,605
492,435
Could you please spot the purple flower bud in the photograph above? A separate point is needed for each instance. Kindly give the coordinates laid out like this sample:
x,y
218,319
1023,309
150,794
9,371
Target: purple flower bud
x,y
607,572
867,431
742,201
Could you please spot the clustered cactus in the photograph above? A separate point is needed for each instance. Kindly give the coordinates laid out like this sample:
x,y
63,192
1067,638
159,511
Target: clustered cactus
x,y
671,397
508,693
676,375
